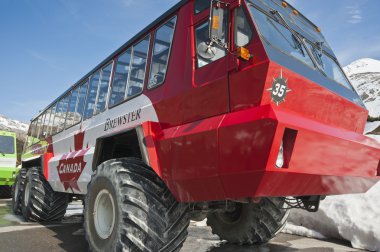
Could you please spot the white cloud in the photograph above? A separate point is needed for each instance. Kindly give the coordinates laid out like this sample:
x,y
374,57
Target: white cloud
x,y
354,13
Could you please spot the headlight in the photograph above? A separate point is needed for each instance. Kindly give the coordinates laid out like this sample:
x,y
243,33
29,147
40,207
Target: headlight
x,y
280,157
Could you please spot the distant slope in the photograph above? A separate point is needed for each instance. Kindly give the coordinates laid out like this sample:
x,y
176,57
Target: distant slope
x,y
365,76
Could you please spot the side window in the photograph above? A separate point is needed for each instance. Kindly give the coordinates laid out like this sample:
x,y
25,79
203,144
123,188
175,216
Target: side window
x,y
138,67
65,106
161,50
72,106
120,78
57,118
91,96
40,122
60,115
32,130
81,101
45,128
103,88
243,29
202,36
201,5
51,120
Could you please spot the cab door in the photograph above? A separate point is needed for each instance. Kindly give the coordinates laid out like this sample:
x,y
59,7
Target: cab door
x,y
210,93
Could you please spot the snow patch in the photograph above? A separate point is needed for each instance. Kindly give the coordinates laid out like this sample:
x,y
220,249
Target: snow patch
x,y
302,231
371,126
351,217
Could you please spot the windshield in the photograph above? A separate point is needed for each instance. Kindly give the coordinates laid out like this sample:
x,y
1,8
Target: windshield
x,y
6,145
296,19
329,66
273,29
277,35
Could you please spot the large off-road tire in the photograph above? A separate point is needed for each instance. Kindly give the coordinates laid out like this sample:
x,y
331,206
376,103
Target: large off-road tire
x,y
129,208
16,192
5,192
253,223
38,200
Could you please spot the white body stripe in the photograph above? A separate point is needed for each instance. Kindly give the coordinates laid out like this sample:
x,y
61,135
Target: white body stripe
x,y
133,113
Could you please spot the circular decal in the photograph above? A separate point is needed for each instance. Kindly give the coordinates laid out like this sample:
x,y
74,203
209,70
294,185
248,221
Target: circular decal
x,y
279,89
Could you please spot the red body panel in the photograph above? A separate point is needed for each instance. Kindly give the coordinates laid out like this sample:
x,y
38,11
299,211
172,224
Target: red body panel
x,y
233,156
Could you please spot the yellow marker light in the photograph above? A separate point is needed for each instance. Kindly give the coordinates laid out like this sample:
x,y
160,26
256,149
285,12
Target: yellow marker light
x,y
295,12
284,4
244,53
215,22
318,29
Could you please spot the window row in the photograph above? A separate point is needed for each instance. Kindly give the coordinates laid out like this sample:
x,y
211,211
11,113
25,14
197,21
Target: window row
x,y
90,98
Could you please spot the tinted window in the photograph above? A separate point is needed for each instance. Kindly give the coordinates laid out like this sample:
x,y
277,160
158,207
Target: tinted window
x,y
330,67
137,72
32,132
72,106
162,44
202,36
201,5
44,124
103,88
120,78
60,115
40,121
280,37
45,128
51,120
91,96
81,101
243,29
7,145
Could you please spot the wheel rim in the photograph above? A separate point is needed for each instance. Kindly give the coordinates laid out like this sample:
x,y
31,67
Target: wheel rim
x,y
104,214
26,194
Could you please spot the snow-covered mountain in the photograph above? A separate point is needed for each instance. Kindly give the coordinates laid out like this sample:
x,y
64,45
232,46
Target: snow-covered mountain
x,y
365,76
12,125
18,127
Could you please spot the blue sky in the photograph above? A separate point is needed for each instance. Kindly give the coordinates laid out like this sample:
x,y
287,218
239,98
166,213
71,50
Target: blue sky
x,y
47,45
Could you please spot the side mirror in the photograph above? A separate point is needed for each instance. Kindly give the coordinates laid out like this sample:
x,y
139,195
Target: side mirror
x,y
206,50
217,16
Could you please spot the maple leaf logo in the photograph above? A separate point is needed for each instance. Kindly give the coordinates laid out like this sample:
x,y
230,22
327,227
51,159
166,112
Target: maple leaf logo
x,y
71,165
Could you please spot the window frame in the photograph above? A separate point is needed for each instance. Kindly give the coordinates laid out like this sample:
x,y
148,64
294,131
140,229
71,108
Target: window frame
x,y
201,23
96,112
263,38
84,118
64,124
170,52
251,25
76,105
126,98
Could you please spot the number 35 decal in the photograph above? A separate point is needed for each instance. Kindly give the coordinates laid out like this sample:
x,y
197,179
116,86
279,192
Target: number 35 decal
x,y
279,89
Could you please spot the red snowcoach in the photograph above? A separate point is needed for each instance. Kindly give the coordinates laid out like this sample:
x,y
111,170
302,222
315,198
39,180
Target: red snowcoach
x,y
235,111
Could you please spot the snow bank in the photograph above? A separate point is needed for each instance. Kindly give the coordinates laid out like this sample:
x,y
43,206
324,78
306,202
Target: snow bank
x,y
355,218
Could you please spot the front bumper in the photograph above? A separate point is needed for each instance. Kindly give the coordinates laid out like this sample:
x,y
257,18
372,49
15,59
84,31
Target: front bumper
x,y
322,160
7,175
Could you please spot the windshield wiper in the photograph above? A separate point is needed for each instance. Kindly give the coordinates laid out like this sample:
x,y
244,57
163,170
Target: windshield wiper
x,y
295,35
